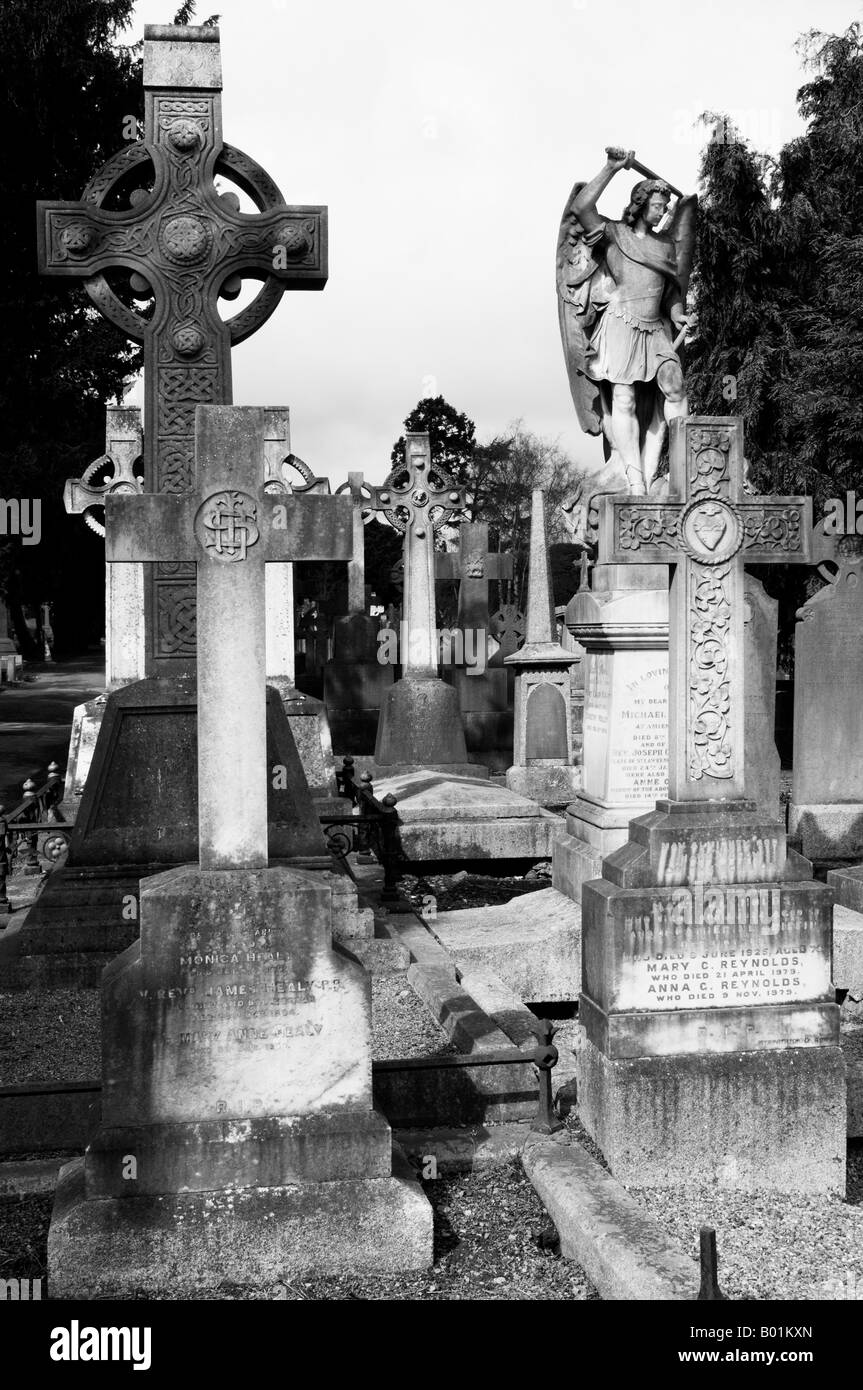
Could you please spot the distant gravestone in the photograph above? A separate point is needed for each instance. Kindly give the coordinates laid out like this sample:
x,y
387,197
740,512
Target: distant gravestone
x,y
826,812
543,763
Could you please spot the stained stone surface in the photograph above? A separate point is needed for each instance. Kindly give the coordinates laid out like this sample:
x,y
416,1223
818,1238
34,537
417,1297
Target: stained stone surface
x,y
532,942
826,811
237,1070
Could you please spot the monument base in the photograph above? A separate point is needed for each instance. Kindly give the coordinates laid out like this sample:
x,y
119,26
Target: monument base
x,y
549,785
421,726
593,832
257,1237
743,1121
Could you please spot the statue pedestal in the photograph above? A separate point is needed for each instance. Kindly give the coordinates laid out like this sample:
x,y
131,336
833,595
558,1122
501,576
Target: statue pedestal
x,y
622,624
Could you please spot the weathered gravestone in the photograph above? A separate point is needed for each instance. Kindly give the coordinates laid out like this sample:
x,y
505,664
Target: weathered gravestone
x,y
420,726
826,811
543,767
184,245
711,1052
355,682
118,470
306,716
483,689
238,1138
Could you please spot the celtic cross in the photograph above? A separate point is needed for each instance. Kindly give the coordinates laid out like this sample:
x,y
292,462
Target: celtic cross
x,y
232,526
118,470
153,218
707,530
418,498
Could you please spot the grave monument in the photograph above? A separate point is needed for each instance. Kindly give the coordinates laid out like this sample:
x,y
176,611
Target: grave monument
x,y
236,1035
355,682
543,767
711,1029
183,245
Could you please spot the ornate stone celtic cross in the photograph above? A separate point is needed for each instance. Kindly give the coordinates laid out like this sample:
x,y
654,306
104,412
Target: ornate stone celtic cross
x,y
417,498
152,230
117,471
231,527
708,529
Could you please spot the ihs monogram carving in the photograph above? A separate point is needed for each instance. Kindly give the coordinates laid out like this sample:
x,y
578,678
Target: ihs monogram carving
x,y
226,525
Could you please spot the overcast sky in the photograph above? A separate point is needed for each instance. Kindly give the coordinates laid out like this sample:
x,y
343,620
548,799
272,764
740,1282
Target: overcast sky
x,y
445,138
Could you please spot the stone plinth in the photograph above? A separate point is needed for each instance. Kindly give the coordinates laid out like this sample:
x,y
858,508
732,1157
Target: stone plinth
x,y
445,818
709,1008
127,827
421,728
237,1073
533,943
622,625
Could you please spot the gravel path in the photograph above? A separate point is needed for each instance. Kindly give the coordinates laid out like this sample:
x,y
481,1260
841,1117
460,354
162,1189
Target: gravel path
x,y
493,1242
49,1036
774,1247
401,1024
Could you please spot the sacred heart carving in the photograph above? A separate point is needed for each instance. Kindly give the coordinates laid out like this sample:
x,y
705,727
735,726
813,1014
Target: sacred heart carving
x,y
711,526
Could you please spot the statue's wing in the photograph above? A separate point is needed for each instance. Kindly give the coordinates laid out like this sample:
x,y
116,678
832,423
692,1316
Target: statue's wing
x,y
576,265
682,233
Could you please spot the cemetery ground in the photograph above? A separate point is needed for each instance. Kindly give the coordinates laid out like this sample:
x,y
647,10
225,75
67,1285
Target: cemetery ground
x,y
493,1239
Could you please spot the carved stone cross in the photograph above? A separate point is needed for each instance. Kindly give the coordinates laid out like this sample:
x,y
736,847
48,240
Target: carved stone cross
x,y
124,589
231,527
359,495
153,215
474,565
708,530
418,498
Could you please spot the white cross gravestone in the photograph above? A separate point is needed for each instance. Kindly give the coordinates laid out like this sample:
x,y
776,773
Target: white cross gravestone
x,y
232,528
420,725
236,1036
711,1051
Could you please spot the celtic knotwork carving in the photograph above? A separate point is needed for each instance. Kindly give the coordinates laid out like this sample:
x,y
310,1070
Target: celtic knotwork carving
x,y
177,621
177,466
710,733
418,493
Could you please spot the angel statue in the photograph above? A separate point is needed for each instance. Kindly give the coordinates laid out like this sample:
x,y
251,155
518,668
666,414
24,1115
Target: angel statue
x,y
622,299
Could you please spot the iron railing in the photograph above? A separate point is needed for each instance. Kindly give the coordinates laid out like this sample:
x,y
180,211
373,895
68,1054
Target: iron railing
x,y
372,828
33,830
